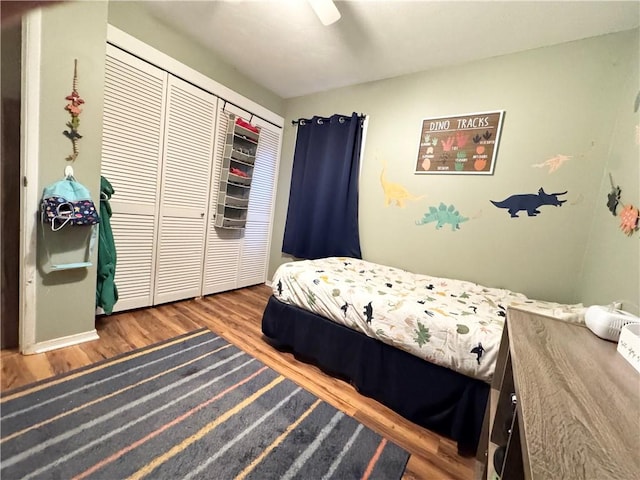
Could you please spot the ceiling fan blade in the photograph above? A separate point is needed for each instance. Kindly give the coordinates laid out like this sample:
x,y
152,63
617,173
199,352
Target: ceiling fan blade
x,y
326,11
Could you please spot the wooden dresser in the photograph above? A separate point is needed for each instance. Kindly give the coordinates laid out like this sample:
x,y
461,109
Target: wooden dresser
x,y
576,410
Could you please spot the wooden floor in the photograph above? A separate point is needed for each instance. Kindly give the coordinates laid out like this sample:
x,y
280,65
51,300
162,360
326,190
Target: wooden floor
x,y
236,316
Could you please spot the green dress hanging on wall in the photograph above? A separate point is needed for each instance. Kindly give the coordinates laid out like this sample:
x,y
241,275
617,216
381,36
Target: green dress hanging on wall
x,y
106,290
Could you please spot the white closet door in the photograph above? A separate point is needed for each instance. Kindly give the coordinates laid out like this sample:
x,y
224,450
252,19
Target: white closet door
x,y
254,254
134,104
222,252
188,147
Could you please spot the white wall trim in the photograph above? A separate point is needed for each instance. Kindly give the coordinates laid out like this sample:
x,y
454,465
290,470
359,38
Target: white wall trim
x,y
62,342
123,40
29,158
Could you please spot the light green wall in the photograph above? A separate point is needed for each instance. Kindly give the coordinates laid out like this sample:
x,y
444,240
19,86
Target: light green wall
x,y
65,301
558,100
135,19
612,259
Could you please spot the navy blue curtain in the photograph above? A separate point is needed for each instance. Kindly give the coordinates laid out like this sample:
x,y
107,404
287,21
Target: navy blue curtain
x,y
322,218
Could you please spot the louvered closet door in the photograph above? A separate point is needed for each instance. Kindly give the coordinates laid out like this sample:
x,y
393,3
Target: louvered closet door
x,y
222,254
134,104
188,149
254,255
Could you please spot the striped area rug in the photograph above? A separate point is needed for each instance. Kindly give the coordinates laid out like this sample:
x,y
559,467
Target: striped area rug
x,y
192,407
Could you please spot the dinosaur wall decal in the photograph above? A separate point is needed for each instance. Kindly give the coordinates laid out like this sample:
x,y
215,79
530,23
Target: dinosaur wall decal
x,y
529,202
443,215
553,163
394,192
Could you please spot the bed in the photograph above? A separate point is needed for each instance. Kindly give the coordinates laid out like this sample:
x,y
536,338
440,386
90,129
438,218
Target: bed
x,y
424,346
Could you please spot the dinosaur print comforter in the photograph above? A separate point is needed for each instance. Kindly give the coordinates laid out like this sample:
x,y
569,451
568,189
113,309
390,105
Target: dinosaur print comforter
x,y
452,323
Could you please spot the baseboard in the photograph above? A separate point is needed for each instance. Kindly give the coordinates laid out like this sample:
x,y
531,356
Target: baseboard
x,y
268,283
41,347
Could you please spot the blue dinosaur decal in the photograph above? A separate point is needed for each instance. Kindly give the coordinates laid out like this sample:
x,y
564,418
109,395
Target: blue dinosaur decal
x,y
529,202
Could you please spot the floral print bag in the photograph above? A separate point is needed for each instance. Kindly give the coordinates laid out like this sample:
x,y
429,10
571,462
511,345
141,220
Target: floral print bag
x,y
67,202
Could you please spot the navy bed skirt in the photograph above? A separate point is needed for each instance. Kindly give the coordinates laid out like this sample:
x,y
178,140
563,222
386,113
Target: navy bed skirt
x,y
429,395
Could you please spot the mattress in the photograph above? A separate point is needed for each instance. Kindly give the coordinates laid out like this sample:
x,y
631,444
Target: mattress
x,y
452,323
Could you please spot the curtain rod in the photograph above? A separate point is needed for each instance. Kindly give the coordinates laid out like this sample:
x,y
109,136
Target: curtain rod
x,y
296,122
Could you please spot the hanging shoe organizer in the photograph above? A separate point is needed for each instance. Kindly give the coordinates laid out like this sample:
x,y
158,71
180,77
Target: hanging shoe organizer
x,y
241,143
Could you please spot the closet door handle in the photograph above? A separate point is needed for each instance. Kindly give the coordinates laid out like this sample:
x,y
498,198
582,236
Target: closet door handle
x,y
202,215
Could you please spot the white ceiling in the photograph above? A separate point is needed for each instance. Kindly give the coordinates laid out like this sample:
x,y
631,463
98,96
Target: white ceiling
x,y
282,45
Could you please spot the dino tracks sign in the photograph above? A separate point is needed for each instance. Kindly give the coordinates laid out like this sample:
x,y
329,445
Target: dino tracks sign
x,y
461,144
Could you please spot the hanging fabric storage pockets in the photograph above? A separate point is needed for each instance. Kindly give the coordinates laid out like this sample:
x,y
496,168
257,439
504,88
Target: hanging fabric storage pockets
x,y
236,173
